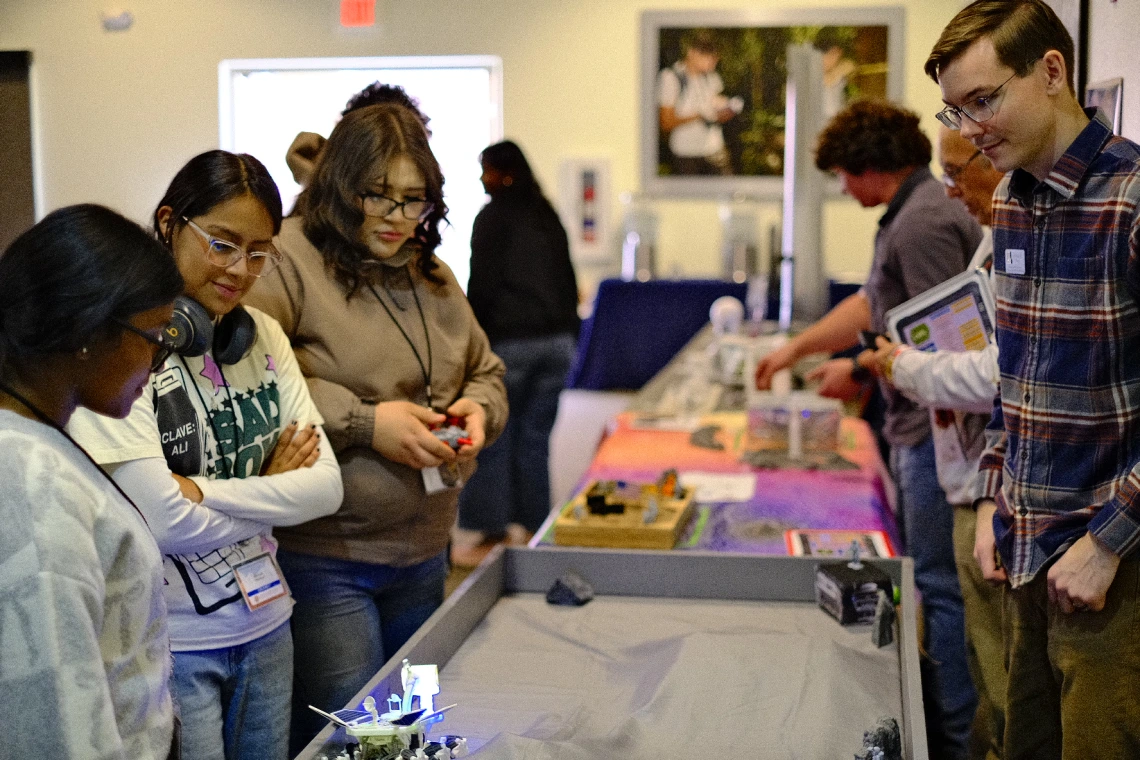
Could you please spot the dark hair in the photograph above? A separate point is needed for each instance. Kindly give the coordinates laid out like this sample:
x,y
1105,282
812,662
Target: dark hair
x,y
330,208
1022,32
703,41
72,276
872,134
377,93
507,158
214,177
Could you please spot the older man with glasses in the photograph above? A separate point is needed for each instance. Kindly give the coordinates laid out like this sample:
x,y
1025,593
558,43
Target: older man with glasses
x,y
1059,513
959,389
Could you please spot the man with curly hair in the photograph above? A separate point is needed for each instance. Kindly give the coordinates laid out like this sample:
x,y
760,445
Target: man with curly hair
x,y
881,158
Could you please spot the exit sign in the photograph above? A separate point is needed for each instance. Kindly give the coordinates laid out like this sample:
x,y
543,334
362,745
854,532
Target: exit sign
x,y
357,13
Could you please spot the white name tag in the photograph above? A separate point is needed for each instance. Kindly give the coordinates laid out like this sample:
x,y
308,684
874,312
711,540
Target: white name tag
x,y
1014,261
441,478
260,581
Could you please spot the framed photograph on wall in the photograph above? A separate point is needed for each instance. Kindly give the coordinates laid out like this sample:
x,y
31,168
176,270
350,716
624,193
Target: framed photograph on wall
x,y
712,89
1108,96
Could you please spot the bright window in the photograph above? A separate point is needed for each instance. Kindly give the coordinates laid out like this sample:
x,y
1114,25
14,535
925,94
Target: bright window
x,y
264,103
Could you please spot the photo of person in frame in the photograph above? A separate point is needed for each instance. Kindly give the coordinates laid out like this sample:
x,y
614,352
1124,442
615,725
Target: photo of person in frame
x,y
719,92
692,107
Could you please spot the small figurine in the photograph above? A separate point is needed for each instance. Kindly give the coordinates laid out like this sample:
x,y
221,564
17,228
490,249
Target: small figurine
x,y
452,431
856,553
649,514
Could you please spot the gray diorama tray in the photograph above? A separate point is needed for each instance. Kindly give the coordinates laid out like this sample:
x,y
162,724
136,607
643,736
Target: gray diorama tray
x,y
732,634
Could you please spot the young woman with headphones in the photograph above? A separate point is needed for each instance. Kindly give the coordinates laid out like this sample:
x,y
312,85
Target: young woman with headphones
x,y
223,445
84,297
390,346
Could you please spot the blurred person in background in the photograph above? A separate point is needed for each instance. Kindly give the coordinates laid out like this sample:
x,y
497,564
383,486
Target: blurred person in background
x,y
525,295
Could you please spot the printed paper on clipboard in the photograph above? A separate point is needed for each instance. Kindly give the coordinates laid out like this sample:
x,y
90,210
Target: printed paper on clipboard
x,y
957,315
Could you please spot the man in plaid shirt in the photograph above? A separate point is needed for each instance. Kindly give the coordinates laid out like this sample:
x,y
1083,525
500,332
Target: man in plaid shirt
x,y
1060,479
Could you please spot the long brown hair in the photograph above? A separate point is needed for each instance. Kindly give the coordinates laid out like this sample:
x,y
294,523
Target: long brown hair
x,y
329,207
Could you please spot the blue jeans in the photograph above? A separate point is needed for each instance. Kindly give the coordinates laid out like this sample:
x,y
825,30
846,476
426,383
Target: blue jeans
x,y
233,700
349,619
512,484
929,521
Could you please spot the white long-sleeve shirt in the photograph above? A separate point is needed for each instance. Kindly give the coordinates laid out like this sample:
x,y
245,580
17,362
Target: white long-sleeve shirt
x,y
217,425
964,385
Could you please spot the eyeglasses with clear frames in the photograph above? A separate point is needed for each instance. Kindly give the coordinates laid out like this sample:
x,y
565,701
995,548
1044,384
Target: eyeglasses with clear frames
x,y
380,206
163,341
950,175
977,110
223,253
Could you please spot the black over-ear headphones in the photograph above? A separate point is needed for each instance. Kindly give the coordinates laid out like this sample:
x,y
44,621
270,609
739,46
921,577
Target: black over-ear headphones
x,y
192,332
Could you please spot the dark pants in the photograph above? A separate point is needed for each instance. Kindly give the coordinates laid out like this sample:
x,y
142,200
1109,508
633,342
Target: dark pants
x,y
929,521
512,484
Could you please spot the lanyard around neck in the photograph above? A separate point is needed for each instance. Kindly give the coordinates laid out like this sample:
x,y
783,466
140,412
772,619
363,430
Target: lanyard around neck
x,y
425,369
206,408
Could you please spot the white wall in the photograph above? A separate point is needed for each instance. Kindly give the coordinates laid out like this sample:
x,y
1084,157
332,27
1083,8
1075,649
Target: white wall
x,y
1113,27
119,112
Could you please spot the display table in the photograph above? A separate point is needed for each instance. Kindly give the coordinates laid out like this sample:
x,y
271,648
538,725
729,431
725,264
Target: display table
x,y
856,499
681,654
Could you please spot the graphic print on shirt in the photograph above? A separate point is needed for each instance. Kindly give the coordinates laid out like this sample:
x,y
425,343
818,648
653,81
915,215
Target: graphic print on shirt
x,y
240,433
183,439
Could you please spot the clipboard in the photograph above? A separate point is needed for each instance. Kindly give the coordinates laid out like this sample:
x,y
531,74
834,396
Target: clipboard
x,y
957,315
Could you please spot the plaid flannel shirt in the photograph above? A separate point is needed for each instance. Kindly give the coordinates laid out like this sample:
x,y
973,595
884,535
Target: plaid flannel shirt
x,y
1063,448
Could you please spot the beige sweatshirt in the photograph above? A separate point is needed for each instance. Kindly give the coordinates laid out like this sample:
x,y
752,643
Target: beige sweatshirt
x,y
354,356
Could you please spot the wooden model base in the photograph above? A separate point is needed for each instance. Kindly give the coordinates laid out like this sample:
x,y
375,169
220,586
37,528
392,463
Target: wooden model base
x,y
626,530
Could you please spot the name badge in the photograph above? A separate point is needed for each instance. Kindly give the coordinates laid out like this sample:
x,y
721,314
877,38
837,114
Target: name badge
x,y
1014,261
441,478
260,580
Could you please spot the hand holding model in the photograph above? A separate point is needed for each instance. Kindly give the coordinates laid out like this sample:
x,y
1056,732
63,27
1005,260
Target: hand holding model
x,y
475,420
402,433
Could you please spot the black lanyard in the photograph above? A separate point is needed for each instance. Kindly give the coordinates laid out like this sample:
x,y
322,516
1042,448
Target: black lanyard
x,y
426,370
206,408
53,424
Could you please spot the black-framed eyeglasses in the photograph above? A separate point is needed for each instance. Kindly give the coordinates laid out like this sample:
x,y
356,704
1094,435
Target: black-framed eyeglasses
x,y
164,343
951,174
223,253
977,110
380,206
